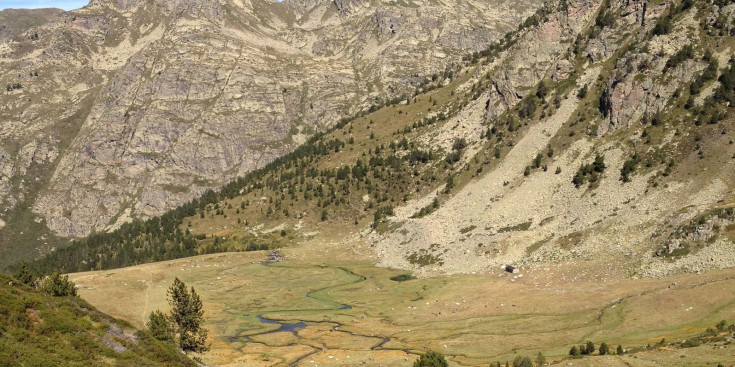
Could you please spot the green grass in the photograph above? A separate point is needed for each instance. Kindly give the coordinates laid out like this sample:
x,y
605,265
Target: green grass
x,y
462,311
41,330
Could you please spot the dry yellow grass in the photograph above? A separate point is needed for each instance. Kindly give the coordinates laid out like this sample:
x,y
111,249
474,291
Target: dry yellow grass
x,y
474,319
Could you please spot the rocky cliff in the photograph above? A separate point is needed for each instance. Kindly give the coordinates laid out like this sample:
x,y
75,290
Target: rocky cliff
x,y
128,108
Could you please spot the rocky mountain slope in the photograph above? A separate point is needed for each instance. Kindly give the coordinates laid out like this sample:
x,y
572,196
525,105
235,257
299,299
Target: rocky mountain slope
x,y
647,95
130,108
601,131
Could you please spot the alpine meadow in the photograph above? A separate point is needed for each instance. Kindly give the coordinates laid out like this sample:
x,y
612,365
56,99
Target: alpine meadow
x,y
368,183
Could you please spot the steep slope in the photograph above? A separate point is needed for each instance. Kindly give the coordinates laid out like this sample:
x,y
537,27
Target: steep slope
x,y
636,75
127,109
40,330
516,160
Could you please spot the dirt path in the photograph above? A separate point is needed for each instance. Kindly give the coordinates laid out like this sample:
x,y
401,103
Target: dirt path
x,y
147,294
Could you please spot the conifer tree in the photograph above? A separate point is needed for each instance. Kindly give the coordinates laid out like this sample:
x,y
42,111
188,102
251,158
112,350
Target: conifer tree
x,y
24,274
187,316
431,359
160,326
590,347
574,351
58,286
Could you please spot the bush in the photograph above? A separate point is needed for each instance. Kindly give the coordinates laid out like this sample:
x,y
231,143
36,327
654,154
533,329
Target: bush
x,y
522,361
663,26
160,326
459,144
629,168
590,347
431,359
402,278
574,351
58,286
686,53
582,92
528,107
24,274
590,172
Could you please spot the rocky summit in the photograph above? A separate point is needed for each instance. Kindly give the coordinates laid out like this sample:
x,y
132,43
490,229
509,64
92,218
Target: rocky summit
x,y
125,109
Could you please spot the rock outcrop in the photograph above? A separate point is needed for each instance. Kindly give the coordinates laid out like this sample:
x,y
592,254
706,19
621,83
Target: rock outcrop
x,y
134,106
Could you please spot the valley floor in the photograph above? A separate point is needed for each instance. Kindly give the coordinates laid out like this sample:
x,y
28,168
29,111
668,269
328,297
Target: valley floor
x,y
326,305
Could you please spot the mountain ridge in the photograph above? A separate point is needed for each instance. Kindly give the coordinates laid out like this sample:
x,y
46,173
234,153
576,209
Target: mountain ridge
x,y
168,99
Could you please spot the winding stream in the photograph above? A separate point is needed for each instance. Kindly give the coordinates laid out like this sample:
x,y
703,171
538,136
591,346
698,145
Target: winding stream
x,y
294,327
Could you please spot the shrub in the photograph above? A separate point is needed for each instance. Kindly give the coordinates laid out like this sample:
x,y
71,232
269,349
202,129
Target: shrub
x,y
582,92
58,286
522,361
663,26
528,107
574,351
431,359
686,53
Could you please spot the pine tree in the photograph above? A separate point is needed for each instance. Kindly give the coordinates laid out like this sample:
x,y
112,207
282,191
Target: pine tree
x,y
620,350
58,286
574,351
604,349
187,316
160,326
522,361
590,347
24,274
431,359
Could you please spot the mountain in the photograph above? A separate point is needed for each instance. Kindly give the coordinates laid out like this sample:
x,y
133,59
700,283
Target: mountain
x,y
600,131
41,330
568,183
127,109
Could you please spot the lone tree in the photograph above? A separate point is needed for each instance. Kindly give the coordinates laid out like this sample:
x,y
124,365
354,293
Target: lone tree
x,y
187,316
431,359
184,325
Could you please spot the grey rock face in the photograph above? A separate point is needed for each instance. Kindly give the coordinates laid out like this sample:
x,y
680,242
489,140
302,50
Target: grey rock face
x,y
138,106
536,53
348,6
641,84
